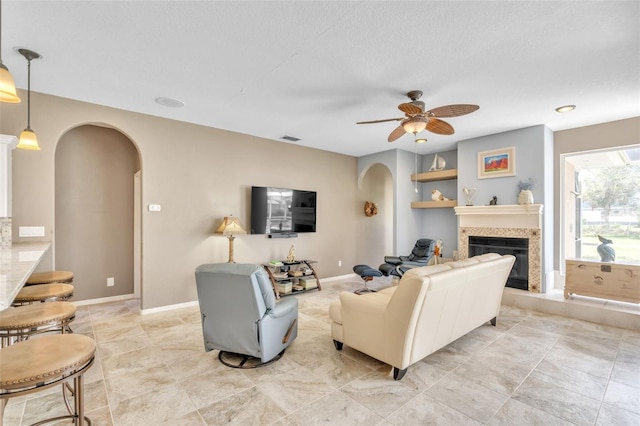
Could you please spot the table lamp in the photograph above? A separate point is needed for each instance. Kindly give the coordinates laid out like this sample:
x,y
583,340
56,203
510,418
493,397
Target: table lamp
x,y
230,227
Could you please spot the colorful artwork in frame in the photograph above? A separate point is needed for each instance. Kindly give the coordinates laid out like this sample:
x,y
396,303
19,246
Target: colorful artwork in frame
x,y
497,163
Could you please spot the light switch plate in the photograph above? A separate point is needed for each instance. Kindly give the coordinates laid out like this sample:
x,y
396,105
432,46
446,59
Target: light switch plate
x,y
31,231
155,207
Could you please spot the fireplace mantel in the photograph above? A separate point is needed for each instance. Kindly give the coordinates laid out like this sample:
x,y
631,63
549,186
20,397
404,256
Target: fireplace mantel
x,y
527,216
513,221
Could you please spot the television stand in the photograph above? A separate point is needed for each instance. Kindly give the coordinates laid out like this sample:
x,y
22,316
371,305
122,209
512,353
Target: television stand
x,y
294,277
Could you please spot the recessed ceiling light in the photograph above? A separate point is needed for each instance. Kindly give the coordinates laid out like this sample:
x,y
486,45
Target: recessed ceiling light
x,y
566,108
421,140
169,102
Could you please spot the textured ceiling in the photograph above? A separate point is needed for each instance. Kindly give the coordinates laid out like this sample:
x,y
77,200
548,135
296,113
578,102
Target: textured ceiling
x,y
313,69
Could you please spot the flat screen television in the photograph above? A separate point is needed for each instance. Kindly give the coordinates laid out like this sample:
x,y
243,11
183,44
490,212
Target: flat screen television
x,y
282,210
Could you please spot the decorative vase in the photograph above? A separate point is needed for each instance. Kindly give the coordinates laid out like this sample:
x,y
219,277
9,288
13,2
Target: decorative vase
x,y
525,197
469,193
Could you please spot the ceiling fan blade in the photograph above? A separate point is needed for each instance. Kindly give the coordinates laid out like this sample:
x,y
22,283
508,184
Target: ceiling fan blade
x,y
397,132
380,121
452,110
440,127
410,108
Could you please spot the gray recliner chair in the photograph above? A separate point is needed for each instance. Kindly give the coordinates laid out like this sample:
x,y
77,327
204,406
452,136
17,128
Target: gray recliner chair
x,y
240,314
420,256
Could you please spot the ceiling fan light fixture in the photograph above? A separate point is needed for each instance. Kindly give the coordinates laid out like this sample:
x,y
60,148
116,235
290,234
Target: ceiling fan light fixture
x,y
415,125
565,108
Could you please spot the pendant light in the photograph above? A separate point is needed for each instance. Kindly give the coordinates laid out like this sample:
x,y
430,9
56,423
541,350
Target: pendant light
x,y
7,84
28,138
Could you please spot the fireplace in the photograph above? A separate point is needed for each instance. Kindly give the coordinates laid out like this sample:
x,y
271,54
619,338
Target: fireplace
x,y
518,247
506,223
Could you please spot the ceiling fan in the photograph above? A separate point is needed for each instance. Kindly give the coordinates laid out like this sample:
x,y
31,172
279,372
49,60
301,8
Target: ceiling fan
x,y
416,119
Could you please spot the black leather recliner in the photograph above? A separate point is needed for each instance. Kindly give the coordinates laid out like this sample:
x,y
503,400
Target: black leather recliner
x,y
420,255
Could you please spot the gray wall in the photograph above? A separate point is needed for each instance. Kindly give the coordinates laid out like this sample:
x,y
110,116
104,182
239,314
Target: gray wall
x,y
440,224
375,238
533,152
411,224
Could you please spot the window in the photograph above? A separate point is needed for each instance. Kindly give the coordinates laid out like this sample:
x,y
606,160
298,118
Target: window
x,y
602,198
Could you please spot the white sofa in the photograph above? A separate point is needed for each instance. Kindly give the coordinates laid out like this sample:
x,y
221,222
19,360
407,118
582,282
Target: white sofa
x,y
429,308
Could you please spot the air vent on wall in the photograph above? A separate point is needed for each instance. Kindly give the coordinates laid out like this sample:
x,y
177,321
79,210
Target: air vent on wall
x,y
290,138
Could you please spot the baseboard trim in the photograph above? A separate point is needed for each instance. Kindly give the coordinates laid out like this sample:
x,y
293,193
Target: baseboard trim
x,y
169,307
178,305
100,300
339,277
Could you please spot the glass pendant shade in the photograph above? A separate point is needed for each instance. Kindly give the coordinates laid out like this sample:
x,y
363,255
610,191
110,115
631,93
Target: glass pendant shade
x,y
7,86
415,125
28,140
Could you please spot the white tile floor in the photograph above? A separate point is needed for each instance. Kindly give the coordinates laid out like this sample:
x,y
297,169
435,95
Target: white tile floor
x,y
532,369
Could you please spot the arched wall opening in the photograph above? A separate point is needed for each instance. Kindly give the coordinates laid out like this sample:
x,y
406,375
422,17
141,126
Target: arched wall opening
x,y
375,184
97,212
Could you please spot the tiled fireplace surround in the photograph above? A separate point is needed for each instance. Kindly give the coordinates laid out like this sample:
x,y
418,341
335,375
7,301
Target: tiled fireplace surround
x,y
525,221
514,221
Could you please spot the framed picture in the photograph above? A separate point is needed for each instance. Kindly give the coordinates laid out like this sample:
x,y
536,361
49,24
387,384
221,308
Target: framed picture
x,y
497,163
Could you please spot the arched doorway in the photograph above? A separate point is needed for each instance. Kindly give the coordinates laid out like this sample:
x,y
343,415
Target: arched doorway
x,y
95,219
375,234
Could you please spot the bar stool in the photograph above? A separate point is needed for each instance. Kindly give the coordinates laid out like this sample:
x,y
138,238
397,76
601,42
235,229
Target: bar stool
x,y
20,323
38,364
43,293
50,277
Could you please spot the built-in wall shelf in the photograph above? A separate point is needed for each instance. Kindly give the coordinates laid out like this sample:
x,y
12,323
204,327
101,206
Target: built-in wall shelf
x,y
433,176
433,204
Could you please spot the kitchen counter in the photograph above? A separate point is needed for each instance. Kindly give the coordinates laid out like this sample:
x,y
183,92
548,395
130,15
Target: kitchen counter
x,y
17,262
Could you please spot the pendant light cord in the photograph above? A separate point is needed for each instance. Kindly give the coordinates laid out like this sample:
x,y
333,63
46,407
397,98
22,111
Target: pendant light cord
x,y
415,161
28,94
0,31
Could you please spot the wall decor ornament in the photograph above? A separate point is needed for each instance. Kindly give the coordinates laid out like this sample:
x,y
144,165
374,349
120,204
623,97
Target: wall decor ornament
x,y
469,193
526,195
606,252
497,163
438,164
370,208
438,196
291,257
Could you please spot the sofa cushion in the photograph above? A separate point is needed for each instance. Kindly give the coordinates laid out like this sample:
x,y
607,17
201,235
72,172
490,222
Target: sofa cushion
x,y
426,271
388,291
463,263
486,257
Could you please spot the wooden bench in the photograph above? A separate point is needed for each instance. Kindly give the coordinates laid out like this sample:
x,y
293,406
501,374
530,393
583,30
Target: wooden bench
x,y
614,281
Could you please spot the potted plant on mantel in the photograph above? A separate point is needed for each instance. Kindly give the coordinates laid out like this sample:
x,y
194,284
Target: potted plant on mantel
x,y
526,195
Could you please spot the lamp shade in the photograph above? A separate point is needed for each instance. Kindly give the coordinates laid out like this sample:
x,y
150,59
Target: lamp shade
x,y
28,140
415,125
230,226
7,86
